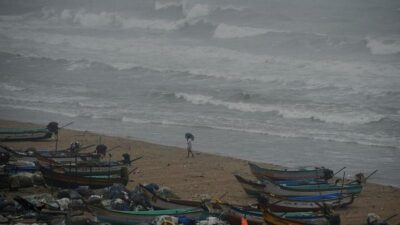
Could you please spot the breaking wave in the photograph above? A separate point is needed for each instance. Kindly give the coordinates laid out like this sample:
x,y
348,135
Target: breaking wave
x,y
10,87
230,8
165,4
42,109
78,65
229,31
45,99
193,19
367,140
96,105
383,46
134,120
104,19
348,116
197,11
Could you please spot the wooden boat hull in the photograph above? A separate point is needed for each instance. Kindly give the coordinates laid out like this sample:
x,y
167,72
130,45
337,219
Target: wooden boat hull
x,y
57,179
82,168
18,134
161,203
234,214
277,204
310,190
250,187
93,171
282,203
140,217
290,174
58,156
274,219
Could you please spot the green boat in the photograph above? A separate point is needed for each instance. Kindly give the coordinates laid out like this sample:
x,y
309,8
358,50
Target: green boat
x,y
140,217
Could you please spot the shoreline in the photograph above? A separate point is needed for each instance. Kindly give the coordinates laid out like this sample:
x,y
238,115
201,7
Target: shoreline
x,y
259,148
205,175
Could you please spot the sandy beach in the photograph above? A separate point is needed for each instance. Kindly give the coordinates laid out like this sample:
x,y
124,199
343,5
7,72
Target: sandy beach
x,y
205,174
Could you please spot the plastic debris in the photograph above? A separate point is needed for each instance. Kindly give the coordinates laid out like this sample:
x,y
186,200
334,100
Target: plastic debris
x,y
76,204
165,220
186,220
84,191
119,204
152,186
94,199
40,200
68,193
3,219
373,219
63,203
115,191
211,220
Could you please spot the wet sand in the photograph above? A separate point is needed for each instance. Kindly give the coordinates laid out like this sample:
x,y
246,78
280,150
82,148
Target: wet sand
x,y
205,175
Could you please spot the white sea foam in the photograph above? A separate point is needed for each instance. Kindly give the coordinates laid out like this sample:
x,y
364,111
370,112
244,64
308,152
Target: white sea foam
x,y
164,25
99,105
343,137
102,19
78,65
105,19
165,4
217,62
383,46
345,116
10,87
197,11
135,120
231,7
231,31
114,20
212,61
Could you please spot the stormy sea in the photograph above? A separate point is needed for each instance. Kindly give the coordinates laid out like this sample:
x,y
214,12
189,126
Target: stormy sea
x,y
310,82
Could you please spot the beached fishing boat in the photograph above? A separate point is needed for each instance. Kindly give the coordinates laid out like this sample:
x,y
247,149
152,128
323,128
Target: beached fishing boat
x,y
14,167
159,202
282,219
250,187
25,134
59,156
295,204
140,217
310,190
300,182
256,188
269,186
83,168
307,203
285,173
63,180
256,217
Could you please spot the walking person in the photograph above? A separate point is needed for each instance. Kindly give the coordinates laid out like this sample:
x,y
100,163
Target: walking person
x,y
189,138
189,148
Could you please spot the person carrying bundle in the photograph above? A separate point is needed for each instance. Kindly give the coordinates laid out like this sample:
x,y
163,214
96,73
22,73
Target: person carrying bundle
x,y
189,138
